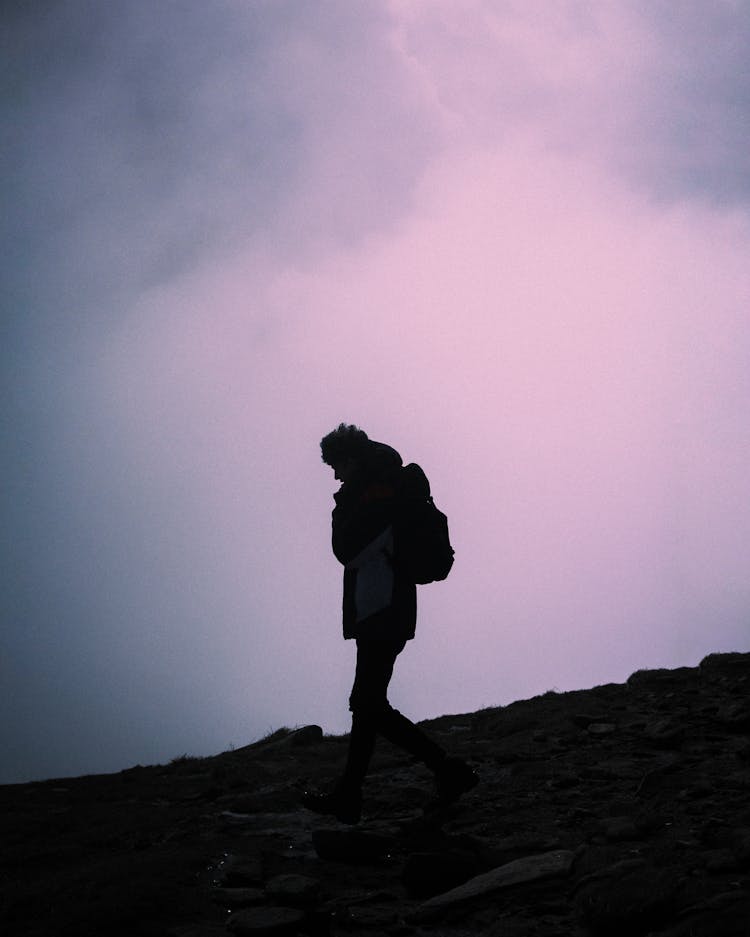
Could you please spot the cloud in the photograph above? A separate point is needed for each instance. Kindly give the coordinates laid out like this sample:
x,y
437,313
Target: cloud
x,y
144,141
496,239
563,356
655,93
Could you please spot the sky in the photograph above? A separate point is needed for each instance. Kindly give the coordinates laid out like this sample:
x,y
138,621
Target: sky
x,y
510,238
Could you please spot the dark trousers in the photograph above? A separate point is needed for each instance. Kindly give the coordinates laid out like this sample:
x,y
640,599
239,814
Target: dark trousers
x,y
372,714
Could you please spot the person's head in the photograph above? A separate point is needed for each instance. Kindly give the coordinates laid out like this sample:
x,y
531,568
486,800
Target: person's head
x,y
344,449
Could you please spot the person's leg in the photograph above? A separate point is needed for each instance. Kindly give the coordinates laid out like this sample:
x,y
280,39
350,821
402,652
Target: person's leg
x,y
375,661
453,776
373,714
367,702
402,732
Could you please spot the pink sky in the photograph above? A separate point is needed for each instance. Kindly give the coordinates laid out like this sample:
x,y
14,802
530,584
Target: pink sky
x,y
501,246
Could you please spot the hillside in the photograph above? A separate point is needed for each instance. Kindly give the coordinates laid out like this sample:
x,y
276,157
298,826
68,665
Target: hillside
x,y
623,809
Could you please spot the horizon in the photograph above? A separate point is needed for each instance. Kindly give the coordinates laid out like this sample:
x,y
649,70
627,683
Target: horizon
x,y
290,729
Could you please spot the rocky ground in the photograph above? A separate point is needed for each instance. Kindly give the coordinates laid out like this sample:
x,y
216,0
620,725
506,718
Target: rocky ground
x,y
620,810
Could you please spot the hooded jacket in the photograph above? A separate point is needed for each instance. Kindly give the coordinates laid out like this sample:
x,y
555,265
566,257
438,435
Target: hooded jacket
x,y
379,601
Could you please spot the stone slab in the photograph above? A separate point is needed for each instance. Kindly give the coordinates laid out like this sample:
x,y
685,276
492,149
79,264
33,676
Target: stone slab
x,y
518,872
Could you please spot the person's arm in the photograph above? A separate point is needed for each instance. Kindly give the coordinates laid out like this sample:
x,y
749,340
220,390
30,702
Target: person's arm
x,y
356,521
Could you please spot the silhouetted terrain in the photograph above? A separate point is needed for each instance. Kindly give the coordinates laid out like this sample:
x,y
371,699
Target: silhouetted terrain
x,y
624,809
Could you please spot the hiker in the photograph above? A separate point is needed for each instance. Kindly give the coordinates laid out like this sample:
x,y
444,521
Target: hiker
x,y
380,612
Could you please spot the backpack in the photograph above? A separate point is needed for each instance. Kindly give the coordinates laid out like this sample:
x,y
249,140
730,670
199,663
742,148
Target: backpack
x,y
423,548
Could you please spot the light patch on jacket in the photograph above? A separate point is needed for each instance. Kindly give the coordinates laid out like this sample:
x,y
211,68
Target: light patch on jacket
x,y
373,588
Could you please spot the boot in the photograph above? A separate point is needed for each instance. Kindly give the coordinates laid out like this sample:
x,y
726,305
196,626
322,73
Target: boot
x,y
453,778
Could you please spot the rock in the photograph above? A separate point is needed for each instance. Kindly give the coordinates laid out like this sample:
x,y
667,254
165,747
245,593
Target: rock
x,y
264,824
654,779
630,902
664,733
231,898
649,822
240,871
735,716
357,919
563,780
430,873
655,678
618,829
733,664
296,738
723,915
352,846
584,720
270,801
601,861
196,930
740,846
700,788
610,769
720,860
266,922
307,735
297,891
522,844
518,872
601,728
235,817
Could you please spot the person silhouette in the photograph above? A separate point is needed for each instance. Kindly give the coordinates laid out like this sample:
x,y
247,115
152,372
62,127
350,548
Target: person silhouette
x,y
379,613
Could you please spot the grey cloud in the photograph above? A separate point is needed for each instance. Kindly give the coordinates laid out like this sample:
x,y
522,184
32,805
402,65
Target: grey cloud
x,y
659,92
145,135
126,157
143,140
697,110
